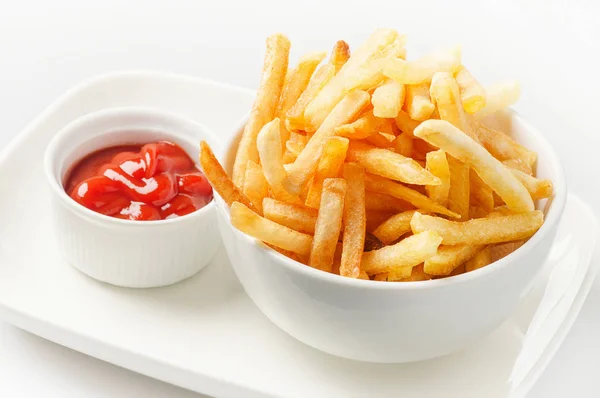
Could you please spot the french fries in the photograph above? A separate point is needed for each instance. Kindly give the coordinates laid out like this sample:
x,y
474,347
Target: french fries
x,y
375,167
268,231
299,218
330,165
422,70
390,164
471,92
403,255
482,231
329,224
301,170
497,176
355,220
388,99
265,104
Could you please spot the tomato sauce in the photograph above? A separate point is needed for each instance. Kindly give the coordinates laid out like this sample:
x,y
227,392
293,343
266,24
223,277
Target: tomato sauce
x,y
155,181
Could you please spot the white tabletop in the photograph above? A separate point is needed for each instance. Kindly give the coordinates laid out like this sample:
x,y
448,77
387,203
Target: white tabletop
x,y
47,46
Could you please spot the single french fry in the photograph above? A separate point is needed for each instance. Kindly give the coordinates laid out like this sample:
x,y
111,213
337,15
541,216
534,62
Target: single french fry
x,y
448,258
388,99
294,117
437,164
407,253
518,164
405,123
471,92
480,231
298,218
219,179
339,55
501,146
382,202
497,176
363,71
418,274
480,192
355,220
417,104
394,227
375,218
500,96
329,224
268,231
330,166
538,189
446,95
422,70
403,144
390,164
459,193
268,143
480,260
383,185
304,166
400,275
256,187
363,127
504,249
265,104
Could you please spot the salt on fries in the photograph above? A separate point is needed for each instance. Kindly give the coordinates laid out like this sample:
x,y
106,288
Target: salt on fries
x,y
374,167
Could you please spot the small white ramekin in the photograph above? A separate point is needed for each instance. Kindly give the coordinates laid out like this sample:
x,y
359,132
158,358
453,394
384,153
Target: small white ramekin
x,y
123,252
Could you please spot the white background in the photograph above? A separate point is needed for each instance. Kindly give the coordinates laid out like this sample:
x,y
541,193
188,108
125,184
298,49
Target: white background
x,y
48,46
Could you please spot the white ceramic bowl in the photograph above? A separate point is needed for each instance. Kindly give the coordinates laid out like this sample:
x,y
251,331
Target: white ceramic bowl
x,y
393,322
124,252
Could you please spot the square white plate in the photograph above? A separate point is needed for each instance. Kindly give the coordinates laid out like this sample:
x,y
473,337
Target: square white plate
x,y
204,333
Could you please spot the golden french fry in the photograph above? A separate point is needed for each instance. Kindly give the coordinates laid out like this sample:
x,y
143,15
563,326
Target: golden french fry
x,y
294,256
405,123
437,164
422,70
459,193
448,258
256,187
388,99
268,231
417,104
418,274
394,227
329,224
363,127
480,231
407,253
446,95
501,146
355,220
387,203
379,140
268,143
500,96
294,117
471,92
390,164
339,55
219,179
458,270
294,147
497,176
363,275
363,71
403,144
383,185
480,260
306,163
298,218
265,104
400,275
330,165
504,249
376,217
518,164
480,192
538,189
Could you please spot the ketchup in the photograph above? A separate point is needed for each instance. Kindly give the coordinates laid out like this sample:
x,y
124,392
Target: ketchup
x,y
155,181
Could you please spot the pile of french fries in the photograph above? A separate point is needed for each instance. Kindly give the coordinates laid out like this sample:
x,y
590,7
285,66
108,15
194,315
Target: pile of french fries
x,y
376,167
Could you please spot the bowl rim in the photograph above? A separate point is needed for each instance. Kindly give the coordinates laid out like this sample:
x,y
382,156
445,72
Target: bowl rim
x,y
142,112
551,220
